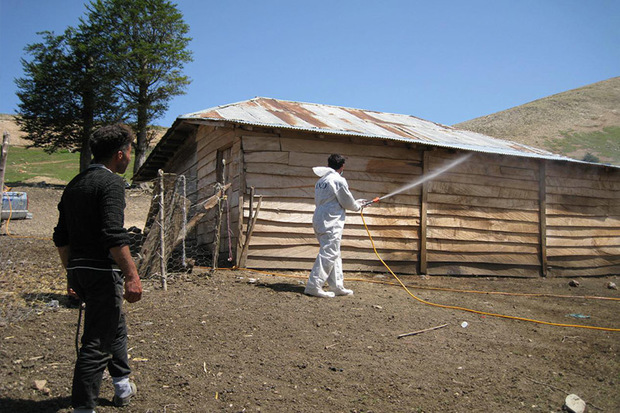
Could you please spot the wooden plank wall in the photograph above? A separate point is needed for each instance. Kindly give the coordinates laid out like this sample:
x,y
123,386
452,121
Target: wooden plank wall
x,y
184,163
583,220
491,215
209,141
280,169
483,216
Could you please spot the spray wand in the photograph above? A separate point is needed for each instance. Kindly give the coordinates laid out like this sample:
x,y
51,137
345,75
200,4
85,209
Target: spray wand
x,y
372,201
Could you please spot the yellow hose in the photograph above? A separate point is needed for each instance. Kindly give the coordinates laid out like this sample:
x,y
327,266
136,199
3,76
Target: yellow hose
x,y
454,290
468,309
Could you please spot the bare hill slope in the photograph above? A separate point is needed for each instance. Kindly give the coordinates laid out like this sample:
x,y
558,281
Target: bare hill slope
x,y
573,123
8,124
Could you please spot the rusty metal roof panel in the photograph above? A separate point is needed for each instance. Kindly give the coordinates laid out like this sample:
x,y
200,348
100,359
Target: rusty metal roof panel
x,y
329,119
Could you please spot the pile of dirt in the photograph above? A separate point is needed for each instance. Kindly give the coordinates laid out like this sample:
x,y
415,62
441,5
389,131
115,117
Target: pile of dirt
x,y
242,341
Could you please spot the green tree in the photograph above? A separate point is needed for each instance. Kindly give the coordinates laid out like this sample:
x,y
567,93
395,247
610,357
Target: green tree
x,y
145,42
65,92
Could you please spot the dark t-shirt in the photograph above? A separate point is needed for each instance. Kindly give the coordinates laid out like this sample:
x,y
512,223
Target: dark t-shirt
x,y
91,214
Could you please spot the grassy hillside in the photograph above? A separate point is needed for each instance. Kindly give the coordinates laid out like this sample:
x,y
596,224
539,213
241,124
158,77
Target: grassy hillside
x,y
573,123
33,165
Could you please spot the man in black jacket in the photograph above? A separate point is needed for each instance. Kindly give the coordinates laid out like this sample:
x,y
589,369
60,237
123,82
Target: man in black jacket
x,y
94,248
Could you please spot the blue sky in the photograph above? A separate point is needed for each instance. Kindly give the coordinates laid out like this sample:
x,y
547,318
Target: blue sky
x,y
444,60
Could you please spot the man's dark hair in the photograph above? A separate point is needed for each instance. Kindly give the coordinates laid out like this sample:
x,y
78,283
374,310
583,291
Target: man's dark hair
x,y
108,140
335,161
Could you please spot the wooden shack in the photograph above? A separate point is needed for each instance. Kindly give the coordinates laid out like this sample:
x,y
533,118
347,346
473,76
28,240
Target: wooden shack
x,y
508,210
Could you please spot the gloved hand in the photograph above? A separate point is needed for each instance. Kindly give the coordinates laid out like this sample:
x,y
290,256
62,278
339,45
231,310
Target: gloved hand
x,y
362,202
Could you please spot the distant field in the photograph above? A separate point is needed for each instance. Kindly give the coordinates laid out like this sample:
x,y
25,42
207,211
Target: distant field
x,y
34,165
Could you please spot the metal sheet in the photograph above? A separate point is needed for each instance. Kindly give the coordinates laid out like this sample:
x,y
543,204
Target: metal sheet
x,y
326,119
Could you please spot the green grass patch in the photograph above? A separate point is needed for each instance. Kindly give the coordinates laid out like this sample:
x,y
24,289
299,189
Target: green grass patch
x,y
604,144
24,164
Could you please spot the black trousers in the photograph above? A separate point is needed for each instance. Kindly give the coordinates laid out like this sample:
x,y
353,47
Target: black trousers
x,y
104,341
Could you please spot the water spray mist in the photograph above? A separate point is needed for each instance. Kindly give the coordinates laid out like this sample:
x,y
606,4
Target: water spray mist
x,y
422,179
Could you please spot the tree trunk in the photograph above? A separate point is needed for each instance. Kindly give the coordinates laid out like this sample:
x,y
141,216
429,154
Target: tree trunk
x,y
88,120
142,143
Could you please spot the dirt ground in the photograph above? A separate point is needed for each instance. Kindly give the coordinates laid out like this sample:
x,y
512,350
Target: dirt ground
x,y
239,341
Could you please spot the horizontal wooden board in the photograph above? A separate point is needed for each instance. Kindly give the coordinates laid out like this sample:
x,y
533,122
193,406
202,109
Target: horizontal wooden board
x,y
481,166
370,163
483,224
326,147
585,192
583,261
353,178
573,182
347,266
610,252
478,247
583,242
267,157
500,258
583,272
349,230
593,222
482,270
494,181
467,200
260,143
582,232
580,200
481,191
480,212
359,189
580,210
480,236
265,216
278,240
589,172
311,252
487,158
307,205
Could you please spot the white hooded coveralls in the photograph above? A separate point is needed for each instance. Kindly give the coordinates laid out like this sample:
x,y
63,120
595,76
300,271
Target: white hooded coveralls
x,y
332,197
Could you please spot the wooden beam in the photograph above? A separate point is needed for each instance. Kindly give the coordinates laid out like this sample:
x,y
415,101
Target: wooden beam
x,y
542,197
423,215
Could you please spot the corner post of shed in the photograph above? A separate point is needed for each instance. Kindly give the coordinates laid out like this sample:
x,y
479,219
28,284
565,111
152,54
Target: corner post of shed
x,y
542,209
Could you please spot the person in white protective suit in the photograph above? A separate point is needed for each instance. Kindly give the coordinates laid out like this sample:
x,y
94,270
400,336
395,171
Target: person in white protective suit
x,y
332,197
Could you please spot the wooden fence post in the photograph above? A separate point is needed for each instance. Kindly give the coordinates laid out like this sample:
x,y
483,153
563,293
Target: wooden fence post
x,y
5,153
3,156
162,242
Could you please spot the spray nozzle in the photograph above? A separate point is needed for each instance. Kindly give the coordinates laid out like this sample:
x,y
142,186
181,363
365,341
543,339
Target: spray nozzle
x,y
372,201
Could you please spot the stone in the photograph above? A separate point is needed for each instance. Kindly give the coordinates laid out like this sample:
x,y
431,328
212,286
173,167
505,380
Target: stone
x,y
573,283
574,404
39,384
612,285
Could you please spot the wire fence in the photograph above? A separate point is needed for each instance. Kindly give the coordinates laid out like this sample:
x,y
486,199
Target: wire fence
x,y
170,243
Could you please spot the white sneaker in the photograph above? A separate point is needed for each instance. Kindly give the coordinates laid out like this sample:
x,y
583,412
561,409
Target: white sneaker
x,y
318,292
342,291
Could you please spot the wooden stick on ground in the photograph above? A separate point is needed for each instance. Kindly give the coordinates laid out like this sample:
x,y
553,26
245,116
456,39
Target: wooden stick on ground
x,y
421,331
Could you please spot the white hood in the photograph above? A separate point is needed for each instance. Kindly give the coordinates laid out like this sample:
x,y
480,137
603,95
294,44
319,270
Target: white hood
x,y
321,171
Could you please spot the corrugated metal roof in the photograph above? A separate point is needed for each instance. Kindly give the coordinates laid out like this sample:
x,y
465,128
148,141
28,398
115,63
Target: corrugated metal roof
x,y
339,120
